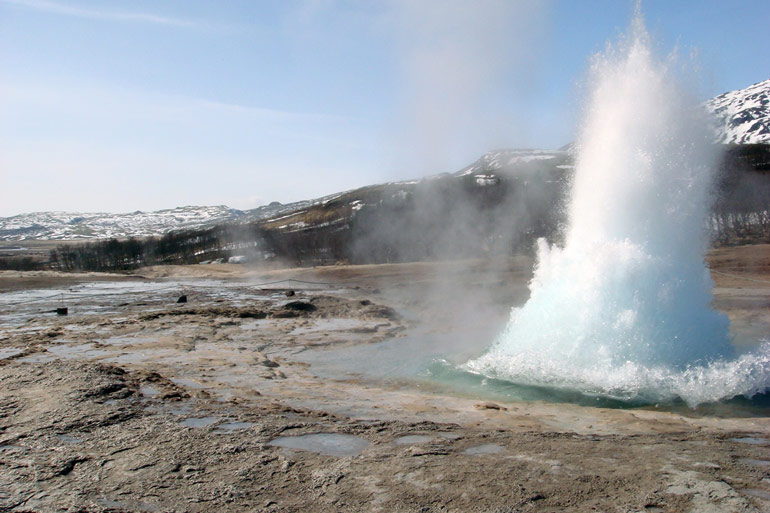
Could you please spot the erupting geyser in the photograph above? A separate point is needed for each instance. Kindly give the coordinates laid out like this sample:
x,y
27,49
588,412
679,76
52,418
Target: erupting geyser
x,y
623,309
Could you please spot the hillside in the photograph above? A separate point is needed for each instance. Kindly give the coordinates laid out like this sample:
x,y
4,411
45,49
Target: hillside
x,y
519,181
102,225
74,226
743,116
94,226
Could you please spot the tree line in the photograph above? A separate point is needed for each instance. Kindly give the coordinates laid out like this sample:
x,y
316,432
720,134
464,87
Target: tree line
x,y
181,247
741,210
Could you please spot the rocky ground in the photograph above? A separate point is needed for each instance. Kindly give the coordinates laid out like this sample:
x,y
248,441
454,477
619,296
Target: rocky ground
x,y
229,402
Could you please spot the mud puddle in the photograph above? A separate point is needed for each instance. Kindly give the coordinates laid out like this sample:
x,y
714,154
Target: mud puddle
x,y
330,444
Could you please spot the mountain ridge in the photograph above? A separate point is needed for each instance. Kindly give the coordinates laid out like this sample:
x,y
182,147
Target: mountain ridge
x,y
741,117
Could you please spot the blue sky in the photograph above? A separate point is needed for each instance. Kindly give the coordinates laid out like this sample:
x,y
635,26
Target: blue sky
x,y
141,105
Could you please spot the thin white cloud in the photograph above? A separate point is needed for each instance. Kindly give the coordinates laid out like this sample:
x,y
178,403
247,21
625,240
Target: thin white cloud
x,y
100,14
89,99
263,112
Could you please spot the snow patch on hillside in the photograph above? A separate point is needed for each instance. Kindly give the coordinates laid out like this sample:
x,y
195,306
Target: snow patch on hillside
x,y
100,225
742,116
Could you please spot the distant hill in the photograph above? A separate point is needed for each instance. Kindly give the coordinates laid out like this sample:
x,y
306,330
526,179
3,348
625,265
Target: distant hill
x,y
74,226
511,179
101,225
286,217
743,116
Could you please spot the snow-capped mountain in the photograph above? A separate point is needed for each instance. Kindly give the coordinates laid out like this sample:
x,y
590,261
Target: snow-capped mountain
x,y
72,226
101,225
743,116
508,161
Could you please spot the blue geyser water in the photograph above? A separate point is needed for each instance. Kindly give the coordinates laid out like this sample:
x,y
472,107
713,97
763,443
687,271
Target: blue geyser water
x,y
623,309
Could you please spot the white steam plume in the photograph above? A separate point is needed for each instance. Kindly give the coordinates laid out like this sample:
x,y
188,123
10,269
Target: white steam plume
x,y
458,58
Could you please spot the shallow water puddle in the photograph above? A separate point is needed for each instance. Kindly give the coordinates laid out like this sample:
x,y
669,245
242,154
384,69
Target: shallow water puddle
x,y
148,391
413,439
99,298
751,440
229,427
182,410
755,462
8,352
484,449
12,448
756,492
109,503
189,383
141,356
37,358
199,422
330,444
67,439
80,351
125,340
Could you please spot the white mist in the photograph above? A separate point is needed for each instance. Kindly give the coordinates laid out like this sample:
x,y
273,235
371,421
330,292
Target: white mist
x,y
623,309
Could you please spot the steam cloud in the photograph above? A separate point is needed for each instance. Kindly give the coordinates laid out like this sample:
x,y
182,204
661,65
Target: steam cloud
x,y
623,309
455,55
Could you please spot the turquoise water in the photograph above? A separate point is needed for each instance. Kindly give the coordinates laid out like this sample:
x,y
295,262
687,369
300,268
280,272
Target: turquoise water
x,y
435,364
623,309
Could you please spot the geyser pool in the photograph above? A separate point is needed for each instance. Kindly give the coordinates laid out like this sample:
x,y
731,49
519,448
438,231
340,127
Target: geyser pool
x,y
622,310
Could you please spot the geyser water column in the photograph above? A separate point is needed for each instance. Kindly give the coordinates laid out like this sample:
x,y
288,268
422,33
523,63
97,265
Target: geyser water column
x,y
623,309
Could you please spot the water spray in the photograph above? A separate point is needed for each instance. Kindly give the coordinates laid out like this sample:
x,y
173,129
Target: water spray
x,y
623,309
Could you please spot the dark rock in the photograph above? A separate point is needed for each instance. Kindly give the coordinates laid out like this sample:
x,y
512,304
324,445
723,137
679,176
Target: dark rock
x,y
285,314
68,465
117,388
383,311
300,306
114,370
252,314
175,395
